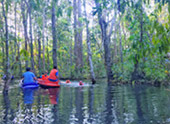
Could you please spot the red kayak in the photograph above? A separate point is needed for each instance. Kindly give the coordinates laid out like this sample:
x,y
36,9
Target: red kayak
x,y
48,84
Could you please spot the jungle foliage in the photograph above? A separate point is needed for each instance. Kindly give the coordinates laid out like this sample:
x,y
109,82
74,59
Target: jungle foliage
x,y
138,42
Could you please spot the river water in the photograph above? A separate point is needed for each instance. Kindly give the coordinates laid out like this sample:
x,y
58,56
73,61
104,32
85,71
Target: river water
x,y
98,104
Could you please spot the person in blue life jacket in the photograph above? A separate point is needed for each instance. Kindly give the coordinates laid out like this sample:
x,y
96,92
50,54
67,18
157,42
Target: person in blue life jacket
x,y
29,76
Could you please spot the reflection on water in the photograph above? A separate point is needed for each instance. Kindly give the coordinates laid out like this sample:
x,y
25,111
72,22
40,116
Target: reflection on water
x,y
28,96
97,104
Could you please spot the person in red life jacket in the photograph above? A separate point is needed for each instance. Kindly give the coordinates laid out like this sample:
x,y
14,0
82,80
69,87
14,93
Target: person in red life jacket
x,y
54,77
68,81
80,83
44,76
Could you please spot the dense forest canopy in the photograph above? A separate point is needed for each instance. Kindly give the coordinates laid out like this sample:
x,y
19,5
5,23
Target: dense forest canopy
x,y
123,40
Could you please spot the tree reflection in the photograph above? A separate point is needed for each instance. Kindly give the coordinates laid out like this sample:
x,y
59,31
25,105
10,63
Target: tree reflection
x,y
79,100
6,105
110,113
140,114
91,103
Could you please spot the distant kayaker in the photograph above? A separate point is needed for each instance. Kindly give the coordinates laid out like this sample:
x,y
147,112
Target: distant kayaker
x,y
29,76
68,81
54,77
81,83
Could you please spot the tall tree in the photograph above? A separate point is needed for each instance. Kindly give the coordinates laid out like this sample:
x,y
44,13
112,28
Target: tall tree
x,y
43,37
75,33
39,54
30,32
105,36
79,37
48,56
17,44
53,19
2,37
137,74
120,37
5,12
24,21
89,46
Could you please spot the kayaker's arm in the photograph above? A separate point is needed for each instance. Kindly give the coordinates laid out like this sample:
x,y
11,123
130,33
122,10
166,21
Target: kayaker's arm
x,y
35,78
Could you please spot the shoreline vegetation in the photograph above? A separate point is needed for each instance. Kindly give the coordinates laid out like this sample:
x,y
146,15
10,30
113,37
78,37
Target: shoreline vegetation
x,y
122,41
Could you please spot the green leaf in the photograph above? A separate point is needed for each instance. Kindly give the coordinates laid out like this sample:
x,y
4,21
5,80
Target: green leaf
x,y
69,11
59,11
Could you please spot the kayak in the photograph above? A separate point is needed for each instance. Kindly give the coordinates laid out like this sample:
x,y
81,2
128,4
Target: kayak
x,y
32,85
48,84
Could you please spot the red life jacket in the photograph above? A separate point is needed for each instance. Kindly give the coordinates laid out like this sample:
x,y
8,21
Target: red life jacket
x,y
52,75
44,77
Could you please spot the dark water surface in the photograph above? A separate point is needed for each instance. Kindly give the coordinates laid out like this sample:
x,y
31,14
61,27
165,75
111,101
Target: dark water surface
x,y
98,104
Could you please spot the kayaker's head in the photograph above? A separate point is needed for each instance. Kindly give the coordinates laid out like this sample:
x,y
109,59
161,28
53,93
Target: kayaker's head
x,y
80,83
55,67
68,81
28,69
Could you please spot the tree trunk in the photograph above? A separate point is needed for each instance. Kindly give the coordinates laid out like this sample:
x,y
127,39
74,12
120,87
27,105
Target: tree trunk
x,y
24,21
71,54
6,39
43,40
6,86
79,37
18,45
120,39
105,40
3,47
31,40
75,34
39,55
71,61
3,55
3,50
89,47
136,75
48,57
54,33
115,47
15,45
